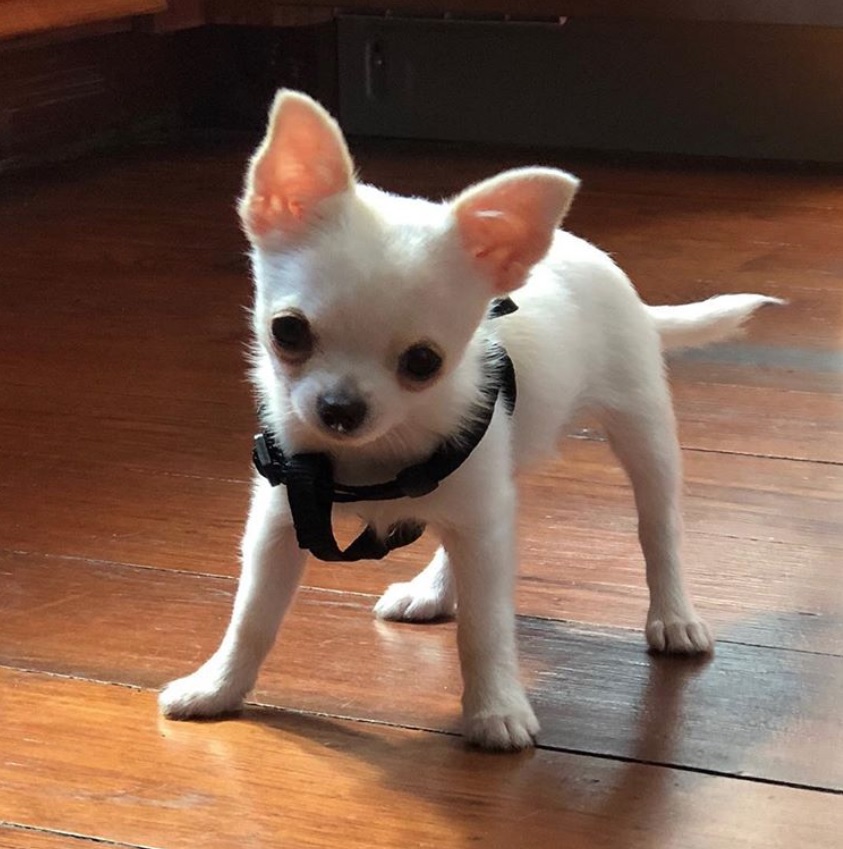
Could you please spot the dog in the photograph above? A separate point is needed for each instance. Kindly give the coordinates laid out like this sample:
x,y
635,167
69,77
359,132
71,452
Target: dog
x,y
377,348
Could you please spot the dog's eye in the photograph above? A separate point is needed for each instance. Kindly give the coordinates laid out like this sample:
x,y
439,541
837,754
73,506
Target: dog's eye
x,y
419,363
292,336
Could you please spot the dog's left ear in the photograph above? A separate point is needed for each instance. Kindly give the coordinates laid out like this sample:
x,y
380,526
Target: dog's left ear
x,y
506,224
302,161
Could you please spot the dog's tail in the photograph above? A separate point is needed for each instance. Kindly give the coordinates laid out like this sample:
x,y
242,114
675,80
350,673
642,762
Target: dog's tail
x,y
694,325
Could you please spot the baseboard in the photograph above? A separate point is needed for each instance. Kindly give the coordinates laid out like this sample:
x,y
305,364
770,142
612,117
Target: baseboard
x,y
668,87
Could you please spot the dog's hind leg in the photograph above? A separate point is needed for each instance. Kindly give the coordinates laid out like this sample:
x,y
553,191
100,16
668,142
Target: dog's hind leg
x,y
430,595
644,440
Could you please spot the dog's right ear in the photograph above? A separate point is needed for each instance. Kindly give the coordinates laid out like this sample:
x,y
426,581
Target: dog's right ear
x,y
302,161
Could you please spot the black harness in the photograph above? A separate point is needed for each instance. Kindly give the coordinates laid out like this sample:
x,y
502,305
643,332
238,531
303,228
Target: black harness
x,y
312,490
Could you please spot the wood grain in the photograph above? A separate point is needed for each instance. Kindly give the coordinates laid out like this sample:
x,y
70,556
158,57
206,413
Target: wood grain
x,y
762,537
202,412
20,837
324,782
596,691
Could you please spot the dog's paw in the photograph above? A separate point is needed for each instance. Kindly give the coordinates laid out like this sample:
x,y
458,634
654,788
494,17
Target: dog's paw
x,y
501,721
675,634
198,695
410,602
504,731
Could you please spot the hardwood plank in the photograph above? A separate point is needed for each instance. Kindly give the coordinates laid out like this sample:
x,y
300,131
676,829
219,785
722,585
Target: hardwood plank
x,y
175,424
761,196
672,251
762,538
127,274
792,424
122,514
765,199
384,787
764,228
740,364
48,398
655,209
750,591
15,837
756,712
439,169
210,439
740,223
686,237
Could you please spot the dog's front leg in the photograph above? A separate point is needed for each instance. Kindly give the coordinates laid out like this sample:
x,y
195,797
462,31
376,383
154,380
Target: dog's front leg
x,y
272,568
496,712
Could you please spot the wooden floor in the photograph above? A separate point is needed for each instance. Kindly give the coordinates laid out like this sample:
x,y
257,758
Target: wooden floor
x,y
125,426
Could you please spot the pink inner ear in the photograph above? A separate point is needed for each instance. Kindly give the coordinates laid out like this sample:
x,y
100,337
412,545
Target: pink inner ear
x,y
507,223
506,239
502,245
302,161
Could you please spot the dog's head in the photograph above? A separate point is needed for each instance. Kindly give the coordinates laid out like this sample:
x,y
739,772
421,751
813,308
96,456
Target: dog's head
x,y
367,303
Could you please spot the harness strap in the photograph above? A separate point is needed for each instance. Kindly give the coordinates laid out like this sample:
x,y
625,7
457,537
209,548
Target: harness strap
x,y
310,504
308,478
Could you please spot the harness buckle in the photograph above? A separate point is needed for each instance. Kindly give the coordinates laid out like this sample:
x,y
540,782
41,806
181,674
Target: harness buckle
x,y
264,461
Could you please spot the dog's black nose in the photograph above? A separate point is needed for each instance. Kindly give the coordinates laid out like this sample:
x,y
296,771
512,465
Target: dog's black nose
x,y
341,411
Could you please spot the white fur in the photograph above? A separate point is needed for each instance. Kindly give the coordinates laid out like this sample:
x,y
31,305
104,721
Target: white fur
x,y
694,325
375,273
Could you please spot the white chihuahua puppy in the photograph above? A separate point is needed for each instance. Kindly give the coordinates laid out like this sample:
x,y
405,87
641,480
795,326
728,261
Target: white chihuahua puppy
x,y
375,347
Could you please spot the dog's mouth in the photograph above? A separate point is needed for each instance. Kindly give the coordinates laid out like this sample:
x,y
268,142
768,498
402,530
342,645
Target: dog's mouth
x,y
343,436
338,433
